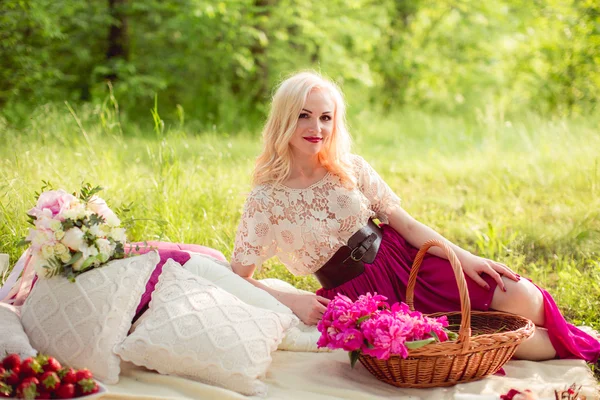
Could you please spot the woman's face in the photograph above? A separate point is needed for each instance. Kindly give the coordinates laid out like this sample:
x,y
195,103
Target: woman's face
x,y
315,124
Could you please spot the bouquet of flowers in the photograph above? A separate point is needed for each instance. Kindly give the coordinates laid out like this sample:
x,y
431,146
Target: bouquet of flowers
x,y
370,326
73,233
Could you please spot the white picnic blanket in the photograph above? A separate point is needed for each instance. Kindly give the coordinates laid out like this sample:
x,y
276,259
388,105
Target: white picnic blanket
x,y
321,376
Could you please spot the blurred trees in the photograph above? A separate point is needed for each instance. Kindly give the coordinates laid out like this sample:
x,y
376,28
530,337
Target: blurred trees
x,y
219,60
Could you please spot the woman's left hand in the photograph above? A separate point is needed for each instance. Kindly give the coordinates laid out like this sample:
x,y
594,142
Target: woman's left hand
x,y
474,266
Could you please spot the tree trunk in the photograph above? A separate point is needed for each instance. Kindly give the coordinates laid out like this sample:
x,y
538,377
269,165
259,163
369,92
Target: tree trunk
x,y
118,38
259,51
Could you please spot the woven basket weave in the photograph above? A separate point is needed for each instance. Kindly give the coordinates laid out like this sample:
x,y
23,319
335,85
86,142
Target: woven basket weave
x,y
496,336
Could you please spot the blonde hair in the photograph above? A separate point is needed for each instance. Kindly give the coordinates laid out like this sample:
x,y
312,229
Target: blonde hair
x,y
274,163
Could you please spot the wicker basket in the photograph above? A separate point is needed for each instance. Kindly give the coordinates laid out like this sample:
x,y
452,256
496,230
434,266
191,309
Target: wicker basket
x,y
469,358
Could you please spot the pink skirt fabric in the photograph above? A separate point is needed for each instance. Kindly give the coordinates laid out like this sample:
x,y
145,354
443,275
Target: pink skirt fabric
x,y
436,291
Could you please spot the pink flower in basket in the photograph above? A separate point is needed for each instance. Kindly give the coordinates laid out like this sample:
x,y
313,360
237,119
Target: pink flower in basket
x,y
370,326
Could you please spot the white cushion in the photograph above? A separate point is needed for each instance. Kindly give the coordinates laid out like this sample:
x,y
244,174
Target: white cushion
x,y
196,330
80,323
300,338
220,275
13,338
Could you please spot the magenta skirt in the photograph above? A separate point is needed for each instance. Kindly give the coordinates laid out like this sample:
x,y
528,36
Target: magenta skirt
x,y
436,291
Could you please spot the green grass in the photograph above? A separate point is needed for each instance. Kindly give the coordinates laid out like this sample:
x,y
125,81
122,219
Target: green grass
x,y
524,191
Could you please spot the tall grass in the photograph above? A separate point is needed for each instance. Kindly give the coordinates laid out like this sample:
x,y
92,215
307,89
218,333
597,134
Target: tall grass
x,y
523,191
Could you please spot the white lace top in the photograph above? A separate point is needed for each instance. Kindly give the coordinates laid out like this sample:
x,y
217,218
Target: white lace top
x,y
305,227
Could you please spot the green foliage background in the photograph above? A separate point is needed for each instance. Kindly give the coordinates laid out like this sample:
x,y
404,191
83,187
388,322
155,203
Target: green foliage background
x,y
207,58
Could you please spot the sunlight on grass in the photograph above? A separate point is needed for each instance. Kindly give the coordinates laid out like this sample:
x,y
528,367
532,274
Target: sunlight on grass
x,y
525,192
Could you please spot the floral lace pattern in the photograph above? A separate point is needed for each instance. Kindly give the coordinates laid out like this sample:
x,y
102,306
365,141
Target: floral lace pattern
x,y
305,227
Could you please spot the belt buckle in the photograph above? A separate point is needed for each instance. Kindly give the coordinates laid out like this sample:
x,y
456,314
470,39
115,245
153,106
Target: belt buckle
x,y
352,254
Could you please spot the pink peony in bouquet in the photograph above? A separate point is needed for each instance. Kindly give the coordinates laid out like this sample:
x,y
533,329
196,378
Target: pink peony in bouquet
x,y
73,233
370,326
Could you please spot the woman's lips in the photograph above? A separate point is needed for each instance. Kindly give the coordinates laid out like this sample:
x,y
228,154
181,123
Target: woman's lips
x,y
313,139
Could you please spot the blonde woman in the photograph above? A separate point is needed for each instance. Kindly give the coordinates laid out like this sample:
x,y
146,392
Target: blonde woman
x,y
312,205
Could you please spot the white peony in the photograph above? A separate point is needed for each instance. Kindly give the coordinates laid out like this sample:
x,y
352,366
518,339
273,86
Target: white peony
x,y
75,212
100,207
96,231
73,239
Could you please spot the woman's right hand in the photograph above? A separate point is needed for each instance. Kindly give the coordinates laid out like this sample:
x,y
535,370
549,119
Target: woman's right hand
x,y
308,307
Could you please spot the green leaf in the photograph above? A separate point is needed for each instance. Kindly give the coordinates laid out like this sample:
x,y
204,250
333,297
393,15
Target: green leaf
x,y
23,242
435,336
419,343
353,357
74,258
362,319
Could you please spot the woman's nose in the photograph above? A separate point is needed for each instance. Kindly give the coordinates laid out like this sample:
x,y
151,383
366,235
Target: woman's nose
x,y
315,126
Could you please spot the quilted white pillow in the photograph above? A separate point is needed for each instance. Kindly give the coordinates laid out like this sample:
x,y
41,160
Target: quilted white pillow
x,y
199,331
300,338
13,338
80,323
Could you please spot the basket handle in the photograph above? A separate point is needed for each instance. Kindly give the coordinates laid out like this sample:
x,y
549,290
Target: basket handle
x,y
464,333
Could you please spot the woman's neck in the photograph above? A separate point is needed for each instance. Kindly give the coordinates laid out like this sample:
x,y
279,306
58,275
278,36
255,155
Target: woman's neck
x,y
305,167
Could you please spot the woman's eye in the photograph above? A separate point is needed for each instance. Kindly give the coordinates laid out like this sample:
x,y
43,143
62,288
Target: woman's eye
x,y
326,118
303,115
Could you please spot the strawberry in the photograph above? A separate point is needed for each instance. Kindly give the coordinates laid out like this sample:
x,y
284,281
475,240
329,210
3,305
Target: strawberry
x,y
49,381
44,395
48,363
12,377
27,389
67,375
87,386
83,374
65,391
2,371
30,367
5,390
11,361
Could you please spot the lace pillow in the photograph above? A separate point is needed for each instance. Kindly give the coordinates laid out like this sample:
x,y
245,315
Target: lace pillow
x,y
300,338
13,338
80,323
199,331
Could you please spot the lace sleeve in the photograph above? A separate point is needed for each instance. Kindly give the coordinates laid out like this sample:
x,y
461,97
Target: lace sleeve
x,y
383,200
255,240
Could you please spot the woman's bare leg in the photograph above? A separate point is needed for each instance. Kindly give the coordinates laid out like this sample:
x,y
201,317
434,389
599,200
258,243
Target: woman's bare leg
x,y
523,298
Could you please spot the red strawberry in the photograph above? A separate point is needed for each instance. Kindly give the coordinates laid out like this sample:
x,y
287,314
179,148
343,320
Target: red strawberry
x,y
49,381
11,361
27,389
5,390
12,377
87,386
30,367
65,391
44,395
67,375
83,374
48,363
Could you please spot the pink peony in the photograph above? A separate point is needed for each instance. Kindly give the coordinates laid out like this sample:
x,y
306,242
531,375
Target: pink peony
x,y
370,325
52,201
351,339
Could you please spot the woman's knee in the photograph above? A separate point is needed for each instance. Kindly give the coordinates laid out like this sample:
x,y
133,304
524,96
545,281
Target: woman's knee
x,y
521,298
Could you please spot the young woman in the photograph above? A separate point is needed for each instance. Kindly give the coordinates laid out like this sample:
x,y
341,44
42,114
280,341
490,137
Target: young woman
x,y
312,205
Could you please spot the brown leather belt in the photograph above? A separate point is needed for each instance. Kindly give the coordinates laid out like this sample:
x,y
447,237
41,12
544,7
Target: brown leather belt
x,y
348,262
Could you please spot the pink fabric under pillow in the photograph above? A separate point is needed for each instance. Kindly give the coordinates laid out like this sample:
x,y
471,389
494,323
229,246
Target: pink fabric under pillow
x,y
195,248
177,251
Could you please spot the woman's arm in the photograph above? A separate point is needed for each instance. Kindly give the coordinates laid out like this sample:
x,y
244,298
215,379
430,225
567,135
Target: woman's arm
x,y
308,307
417,233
